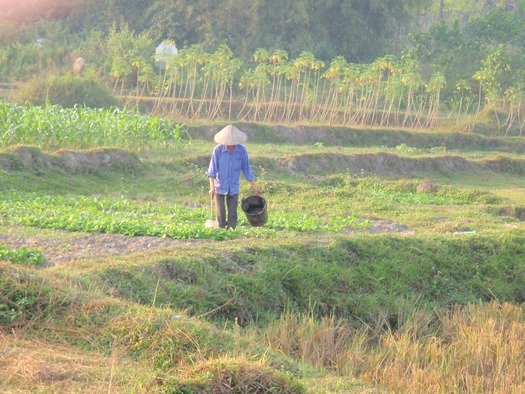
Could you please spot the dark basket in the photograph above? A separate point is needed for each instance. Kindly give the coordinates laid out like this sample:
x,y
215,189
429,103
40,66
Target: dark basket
x,y
255,209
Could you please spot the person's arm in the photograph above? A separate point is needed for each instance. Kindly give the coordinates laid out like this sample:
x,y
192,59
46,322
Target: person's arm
x,y
248,173
255,188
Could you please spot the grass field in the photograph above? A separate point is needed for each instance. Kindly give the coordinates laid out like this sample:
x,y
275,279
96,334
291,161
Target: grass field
x,y
392,261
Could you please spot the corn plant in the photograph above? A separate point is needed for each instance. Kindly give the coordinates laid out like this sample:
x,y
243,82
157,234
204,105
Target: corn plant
x,y
52,126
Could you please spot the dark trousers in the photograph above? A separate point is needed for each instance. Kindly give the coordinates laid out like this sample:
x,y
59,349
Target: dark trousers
x,y
223,202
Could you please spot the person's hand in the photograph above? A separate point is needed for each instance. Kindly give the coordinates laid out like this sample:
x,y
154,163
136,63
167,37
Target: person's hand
x,y
256,190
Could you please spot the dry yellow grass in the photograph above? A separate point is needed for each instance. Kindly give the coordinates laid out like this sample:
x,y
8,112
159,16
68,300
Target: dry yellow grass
x,y
319,342
32,365
237,374
476,349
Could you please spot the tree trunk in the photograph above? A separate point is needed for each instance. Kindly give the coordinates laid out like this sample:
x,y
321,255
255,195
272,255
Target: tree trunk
x,y
244,106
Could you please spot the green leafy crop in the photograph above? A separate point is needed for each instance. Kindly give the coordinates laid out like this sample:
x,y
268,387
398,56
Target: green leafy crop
x,y
23,255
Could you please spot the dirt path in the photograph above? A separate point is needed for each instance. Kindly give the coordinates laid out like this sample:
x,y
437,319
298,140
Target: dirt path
x,y
58,251
387,226
76,246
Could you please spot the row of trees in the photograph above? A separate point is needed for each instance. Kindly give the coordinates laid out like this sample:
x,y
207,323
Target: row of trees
x,y
272,87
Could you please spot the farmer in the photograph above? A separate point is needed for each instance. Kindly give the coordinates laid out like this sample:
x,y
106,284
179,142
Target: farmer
x,y
228,159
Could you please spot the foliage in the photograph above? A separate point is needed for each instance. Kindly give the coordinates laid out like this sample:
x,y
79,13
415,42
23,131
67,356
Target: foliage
x,y
211,78
406,192
106,215
406,311
357,30
29,50
460,48
66,91
23,255
122,216
130,56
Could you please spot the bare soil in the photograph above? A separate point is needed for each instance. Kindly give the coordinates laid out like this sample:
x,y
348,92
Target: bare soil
x,y
384,226
387,164
82,246
381,164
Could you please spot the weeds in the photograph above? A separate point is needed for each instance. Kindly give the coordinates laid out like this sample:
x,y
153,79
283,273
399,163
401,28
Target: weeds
x,y
235,375
25,296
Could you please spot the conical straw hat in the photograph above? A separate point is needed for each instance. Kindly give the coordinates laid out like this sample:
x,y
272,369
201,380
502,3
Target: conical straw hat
x,y
230,135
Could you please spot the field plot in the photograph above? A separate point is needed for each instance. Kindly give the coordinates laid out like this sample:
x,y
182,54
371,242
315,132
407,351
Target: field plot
x,y
392,260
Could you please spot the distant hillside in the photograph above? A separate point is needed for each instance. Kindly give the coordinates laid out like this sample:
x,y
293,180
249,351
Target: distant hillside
x,y
358,30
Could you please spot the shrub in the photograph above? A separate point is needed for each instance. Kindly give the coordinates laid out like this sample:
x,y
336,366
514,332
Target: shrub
x,y
67,91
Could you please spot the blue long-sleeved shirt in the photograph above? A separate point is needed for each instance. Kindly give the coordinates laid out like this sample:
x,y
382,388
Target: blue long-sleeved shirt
x,y
226,168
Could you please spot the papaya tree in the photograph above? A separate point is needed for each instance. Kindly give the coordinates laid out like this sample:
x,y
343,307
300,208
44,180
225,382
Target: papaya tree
x,y
411,78
334,75
434,88
277,65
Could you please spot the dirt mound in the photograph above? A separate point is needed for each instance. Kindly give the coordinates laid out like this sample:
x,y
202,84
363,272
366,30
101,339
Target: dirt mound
x,y
387,164
427,186
347,136
96,159
74,161
504,164
513,212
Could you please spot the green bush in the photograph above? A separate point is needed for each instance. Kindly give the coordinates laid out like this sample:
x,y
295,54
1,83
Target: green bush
x,y
67,91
